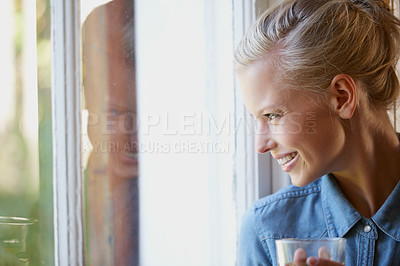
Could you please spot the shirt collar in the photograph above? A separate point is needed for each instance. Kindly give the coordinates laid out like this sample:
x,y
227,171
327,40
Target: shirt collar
x,y
388,216
341,216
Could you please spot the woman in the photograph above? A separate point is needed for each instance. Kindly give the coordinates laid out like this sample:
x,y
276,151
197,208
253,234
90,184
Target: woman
x,y
319,77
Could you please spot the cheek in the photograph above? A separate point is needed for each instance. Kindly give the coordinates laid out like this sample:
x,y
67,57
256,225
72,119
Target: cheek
x,y
315,132
300,124
326,133
294,125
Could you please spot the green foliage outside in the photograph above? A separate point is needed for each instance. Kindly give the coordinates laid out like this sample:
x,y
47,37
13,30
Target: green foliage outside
x,y
26,200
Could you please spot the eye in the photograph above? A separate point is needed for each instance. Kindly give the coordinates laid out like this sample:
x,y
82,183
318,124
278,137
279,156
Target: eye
x,y
271,117
113,112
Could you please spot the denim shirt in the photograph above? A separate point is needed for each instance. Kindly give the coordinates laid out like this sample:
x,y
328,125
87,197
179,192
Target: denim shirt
x,y
321,210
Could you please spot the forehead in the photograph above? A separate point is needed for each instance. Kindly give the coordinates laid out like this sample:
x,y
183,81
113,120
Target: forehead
x,y
260,86
263,91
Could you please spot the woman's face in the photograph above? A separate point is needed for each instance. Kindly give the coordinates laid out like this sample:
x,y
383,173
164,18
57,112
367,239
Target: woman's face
x,y
122,137
299,128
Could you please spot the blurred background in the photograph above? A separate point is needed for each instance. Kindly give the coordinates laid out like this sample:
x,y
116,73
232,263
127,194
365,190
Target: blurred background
x,y
25,125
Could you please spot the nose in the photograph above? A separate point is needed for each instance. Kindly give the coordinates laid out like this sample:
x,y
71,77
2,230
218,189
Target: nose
x,y
264,141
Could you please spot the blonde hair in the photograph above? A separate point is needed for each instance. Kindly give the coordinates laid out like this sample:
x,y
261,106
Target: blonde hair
x,y
313,41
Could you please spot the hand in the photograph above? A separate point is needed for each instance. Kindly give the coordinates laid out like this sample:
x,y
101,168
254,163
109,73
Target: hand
x,y
300,258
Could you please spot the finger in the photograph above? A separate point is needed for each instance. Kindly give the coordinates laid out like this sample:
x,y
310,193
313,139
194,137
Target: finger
x,y
324,253
300,257
314,261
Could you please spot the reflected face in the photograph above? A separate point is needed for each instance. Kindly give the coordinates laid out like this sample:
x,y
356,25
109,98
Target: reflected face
x,y
122,137
297,127
111,101
121,102
110,92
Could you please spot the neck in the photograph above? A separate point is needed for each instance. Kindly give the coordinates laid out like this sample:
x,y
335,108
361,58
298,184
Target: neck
x,y
372,169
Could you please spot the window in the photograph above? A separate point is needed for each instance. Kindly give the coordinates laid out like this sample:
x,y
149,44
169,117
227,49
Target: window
x,y
191,177
152,82
26,210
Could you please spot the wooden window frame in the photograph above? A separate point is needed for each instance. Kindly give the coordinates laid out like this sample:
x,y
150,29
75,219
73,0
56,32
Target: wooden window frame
x,y
67,175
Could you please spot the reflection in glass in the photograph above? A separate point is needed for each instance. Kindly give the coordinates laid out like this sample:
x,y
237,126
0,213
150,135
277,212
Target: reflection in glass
x,y
109,144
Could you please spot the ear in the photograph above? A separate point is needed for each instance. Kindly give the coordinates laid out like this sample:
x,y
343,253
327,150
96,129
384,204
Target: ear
x,y
342,95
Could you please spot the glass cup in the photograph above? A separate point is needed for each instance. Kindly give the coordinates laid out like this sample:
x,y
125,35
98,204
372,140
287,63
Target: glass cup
x,y
13,233
328,248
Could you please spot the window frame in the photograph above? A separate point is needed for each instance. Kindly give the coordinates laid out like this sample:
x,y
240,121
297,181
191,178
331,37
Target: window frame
x,y
67,175
245,160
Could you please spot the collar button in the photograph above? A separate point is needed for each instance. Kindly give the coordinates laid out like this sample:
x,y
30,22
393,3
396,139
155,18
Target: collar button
x,y
367,229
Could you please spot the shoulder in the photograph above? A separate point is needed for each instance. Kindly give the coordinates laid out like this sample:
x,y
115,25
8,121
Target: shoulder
x,y
293,212
289,212
288,194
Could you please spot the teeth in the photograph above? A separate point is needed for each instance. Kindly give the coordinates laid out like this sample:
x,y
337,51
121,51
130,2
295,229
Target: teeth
x,y
286,158
133,155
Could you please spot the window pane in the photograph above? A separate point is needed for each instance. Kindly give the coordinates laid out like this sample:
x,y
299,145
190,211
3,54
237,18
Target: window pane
x,y
110,132
26,222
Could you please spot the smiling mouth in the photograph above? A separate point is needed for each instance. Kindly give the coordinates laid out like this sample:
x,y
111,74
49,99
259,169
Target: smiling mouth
x,y
285,159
